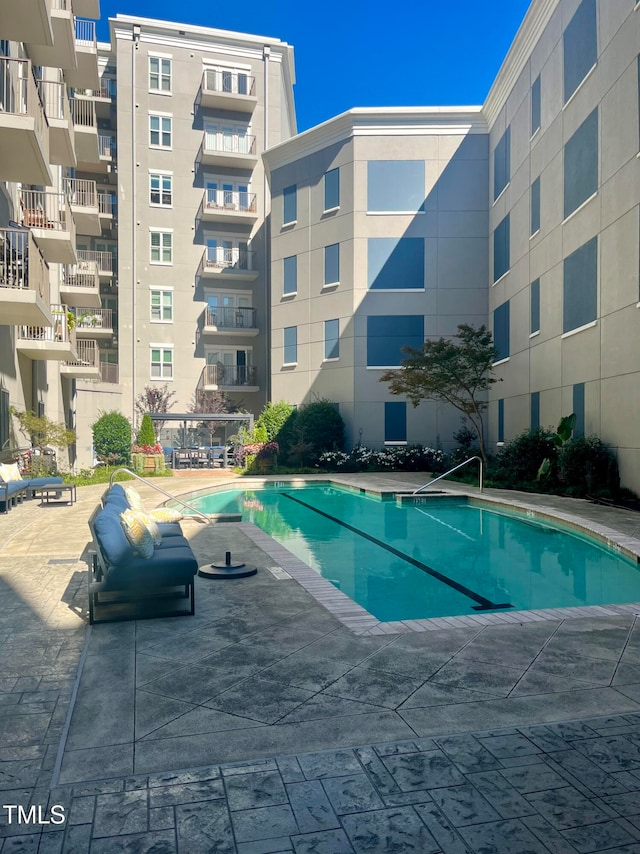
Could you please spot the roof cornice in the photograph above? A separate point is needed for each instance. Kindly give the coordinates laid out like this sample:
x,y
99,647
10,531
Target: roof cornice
x,y
189,32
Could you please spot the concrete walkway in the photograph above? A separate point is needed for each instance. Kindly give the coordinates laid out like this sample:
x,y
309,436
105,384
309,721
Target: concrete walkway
x,y
264,671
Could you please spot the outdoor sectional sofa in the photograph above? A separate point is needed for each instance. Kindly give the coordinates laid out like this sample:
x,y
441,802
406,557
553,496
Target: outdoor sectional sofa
x,y
119,577
16,490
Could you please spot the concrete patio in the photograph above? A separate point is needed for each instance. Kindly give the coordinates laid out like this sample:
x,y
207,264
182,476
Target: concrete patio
x,y
263,724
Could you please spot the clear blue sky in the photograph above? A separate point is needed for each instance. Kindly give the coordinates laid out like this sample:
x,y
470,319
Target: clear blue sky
x,y
350,53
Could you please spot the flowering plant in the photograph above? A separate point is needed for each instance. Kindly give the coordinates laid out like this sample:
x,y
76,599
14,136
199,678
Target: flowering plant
x,y
147,449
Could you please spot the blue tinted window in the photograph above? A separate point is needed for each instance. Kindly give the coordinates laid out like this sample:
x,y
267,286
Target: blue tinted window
x,y
536,105
290,280
535,410
578,408
290,345
331,339
501,318
386,336
580,286
580,42
502,164
332,264
581,164
395,263
535,206
501,249
395,185
501,420
395,422
332,189
289,197
535,305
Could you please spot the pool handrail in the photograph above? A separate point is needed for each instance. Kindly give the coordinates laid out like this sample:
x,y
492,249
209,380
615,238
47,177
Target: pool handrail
x,y
195,510
455,468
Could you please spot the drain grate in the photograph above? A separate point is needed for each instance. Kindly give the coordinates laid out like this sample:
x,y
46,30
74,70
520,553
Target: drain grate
x,y
278,572
56,560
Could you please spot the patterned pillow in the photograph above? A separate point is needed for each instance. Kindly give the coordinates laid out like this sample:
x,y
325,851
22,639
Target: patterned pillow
x,y
151,524
9,472
166,514
137,533
134,498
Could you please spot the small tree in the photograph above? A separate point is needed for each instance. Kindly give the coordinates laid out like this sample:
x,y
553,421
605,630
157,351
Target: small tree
x,y
155,399
146,433
211,402
40,430
318,427
452,372
274,417
112,438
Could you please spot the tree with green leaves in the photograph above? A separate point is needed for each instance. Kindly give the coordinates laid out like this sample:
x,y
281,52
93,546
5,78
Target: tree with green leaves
x,y
43,431
112,438
454,370
155,399
146,433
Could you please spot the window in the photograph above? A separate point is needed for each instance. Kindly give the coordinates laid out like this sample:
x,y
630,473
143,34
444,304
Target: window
x,y
395,186
501,249
290,345
580,286
580,42
160,189
502,164
162,306
501,420
332,339
536,105
395,422
161,247
535,206
290,203
578,409
332,264
160,131
581,164
161,363
535,410
501,321
159,74
387,335
395,263
332,189
534,299
290,282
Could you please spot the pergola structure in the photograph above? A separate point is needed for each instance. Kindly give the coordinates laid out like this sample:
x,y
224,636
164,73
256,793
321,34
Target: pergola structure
x,y
196,418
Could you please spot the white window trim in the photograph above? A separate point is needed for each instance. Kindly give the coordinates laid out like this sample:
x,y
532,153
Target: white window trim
x,y
331,284
161,231
536,232
534,334
501,361
163,173
289,295
290,223
156,55
337,207
578,329
503,276
161,347
161,115
535,133
502,192
579,208
289,364
332,359
390,443
581,84
160,290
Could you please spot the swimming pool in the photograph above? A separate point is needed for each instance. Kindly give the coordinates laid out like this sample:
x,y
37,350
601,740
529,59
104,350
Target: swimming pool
x,y
442,557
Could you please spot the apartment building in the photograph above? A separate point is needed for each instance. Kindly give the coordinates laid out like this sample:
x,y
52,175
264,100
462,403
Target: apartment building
x,y
47,51
392,226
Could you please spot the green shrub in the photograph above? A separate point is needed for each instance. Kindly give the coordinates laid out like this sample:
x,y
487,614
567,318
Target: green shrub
x,y
146,433
520,459
583,466
274,417
318,427
112,438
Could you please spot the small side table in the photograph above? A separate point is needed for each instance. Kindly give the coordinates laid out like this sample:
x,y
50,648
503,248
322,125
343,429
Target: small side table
x,y
56,494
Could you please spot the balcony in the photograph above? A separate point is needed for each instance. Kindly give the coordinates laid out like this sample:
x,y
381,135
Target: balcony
x,y
109,372
24,131
83,197
232,150
86,134
94,323
85,71
106,148
55,343
27,21
106,209
48,215
228,320
104,261
87,363
102,97
228,206
225,89
229,377
62,150
24,280
61,52
80,285
228,263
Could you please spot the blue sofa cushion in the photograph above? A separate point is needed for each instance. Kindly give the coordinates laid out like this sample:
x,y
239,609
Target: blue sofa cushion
x,y
37,482
167,567
111,538
15,486
175,542
170,529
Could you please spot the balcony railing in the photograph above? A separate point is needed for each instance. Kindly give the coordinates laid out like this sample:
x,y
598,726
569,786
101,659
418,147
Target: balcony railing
x,y
82,192
95,318
55,98
106,89
106,204
58,333
108,372
229,200
228,143
103,260
84,113
21,264
228,317
227,375
88,355
19,93
106,144
45,209
222,258
79,276
228,81
86,33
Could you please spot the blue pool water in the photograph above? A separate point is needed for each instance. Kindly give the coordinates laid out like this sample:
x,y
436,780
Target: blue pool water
x,y
438,558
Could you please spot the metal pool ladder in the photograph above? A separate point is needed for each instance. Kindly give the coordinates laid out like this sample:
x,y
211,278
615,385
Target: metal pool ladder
x,y
455,468
202,516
